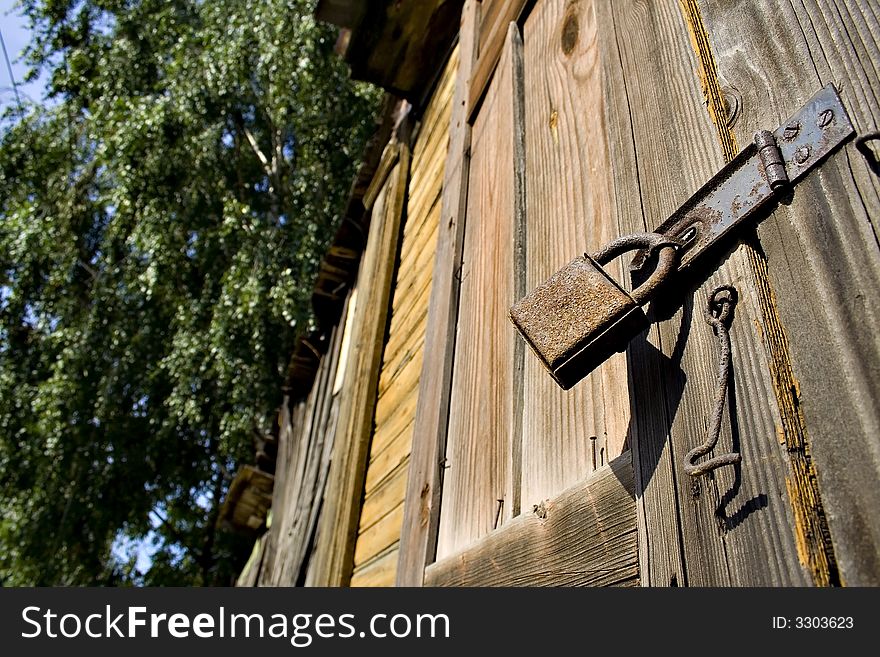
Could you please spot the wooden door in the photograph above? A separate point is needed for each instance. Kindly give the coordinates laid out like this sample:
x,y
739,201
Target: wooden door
x,y
599,120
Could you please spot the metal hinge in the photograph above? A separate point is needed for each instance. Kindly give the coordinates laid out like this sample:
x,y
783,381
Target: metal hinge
x,y
755,177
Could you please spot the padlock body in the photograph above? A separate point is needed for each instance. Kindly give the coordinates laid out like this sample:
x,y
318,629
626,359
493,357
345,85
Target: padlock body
x,y
577,319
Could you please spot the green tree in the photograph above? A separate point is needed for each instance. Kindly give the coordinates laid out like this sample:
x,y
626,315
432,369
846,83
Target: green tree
x,y
162,217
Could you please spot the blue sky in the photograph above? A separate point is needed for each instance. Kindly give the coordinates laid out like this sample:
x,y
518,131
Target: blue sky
x,y
16,37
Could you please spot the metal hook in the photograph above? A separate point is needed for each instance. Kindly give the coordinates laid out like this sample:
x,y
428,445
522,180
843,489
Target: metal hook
x,y
718,309
870,157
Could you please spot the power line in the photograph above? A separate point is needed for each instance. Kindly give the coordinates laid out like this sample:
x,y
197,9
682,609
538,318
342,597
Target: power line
x,y
11,74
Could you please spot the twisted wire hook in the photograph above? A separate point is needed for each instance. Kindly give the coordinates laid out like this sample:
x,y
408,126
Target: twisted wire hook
x,y
718,309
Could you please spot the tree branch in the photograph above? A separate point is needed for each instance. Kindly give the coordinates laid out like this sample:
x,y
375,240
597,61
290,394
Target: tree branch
x,y
255,147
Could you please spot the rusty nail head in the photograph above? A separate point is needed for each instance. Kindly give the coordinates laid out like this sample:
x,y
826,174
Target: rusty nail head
x,y
802,154
825,118
791,131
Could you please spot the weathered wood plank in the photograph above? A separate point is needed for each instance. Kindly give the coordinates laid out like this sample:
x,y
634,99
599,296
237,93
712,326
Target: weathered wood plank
x,y
394,432
379,536
399,45
818,256
385,482
304,439
341,509
493,33
424,201
434,122
407,361
391,458
379,571
399,402
586,536
421,509
385,496
570,189
432,143
479,482
424,197
733,528
424,244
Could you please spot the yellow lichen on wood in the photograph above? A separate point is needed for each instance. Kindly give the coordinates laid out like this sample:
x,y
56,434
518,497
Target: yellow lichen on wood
x,y
709,80
812,535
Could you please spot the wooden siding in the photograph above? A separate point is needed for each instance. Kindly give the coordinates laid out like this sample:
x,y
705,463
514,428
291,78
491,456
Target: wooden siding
x,y
398,44
305,440
375,555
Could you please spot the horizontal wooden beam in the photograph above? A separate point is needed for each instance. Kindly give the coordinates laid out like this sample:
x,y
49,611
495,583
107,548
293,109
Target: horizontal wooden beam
x,y
345,13
400,45
584,537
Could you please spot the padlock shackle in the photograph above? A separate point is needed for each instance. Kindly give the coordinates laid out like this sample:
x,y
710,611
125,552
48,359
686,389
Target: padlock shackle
x,y
667,258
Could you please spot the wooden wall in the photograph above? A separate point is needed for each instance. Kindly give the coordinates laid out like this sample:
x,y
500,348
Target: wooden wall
x,y
456,461
375,555
306,431
344,447
629,107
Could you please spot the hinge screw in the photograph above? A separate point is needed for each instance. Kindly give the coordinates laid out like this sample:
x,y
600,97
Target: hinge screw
x,y
802,154
825,118
791,131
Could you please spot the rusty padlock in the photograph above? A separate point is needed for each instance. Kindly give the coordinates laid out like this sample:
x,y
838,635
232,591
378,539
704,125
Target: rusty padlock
x,y
580,316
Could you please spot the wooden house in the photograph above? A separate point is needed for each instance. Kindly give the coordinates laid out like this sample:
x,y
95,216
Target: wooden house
x,y
421,442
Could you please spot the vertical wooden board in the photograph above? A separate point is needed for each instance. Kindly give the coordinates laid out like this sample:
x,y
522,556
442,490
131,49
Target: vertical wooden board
x,y
567,434
301,469
402,357
494,22
422,504
479,441
337,532
820,264
734,528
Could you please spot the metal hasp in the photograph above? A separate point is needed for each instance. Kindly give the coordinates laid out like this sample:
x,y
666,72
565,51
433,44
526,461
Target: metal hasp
x,y
580,316
754,177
